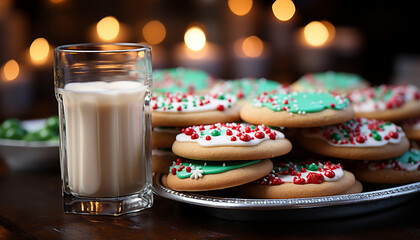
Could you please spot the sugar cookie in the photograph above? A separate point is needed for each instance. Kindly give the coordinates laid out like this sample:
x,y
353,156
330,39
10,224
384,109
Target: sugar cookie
x,y
297,109
162,159
181,109
338,82
180,80
358,139
387,102
411,128
230,141
189,175
301,179
398,170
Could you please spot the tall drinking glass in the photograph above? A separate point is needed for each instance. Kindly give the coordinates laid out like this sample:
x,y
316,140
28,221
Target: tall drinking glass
x,y
103,94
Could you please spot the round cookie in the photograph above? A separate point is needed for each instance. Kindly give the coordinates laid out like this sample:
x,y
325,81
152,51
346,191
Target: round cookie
x,y
181,109
399,170
338,82
230,141
356,188
164,137
245,88
357,139
301,180
297,109
180,79
162,159
205,176
387,102
411,128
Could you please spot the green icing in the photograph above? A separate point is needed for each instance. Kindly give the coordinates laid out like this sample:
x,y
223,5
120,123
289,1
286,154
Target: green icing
x,y
330,81
411,156
210,167
249,86
301,102
179,80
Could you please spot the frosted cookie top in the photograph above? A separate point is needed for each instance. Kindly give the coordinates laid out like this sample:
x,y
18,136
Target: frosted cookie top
x,y
248,87
303,172
358,132
301,102
228,134
330,81
383,97
409,161
185,168
180,80
183,102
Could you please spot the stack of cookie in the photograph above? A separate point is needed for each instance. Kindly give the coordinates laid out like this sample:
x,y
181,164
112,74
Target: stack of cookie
x,y
397,103
301,177
171,112
224,155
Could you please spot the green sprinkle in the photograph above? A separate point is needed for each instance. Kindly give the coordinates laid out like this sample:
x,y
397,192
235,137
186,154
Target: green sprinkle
x,y
377,137
215,133
313,167
221,97
335,136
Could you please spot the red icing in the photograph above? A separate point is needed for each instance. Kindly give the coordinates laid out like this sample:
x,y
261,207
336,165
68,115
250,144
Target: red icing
x,y
315,178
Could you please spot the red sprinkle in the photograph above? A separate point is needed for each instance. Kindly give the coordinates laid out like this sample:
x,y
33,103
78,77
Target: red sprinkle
x,y
259,135
179,108
360,139
208,138
248,129
189,131
329,174
316,178
272,136
393,134
188,169
332,105
245,138
220,107
233,138
194,136
229,132
173,171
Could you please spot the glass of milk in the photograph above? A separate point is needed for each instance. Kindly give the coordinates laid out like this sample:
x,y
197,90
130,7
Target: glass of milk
x,y
103,94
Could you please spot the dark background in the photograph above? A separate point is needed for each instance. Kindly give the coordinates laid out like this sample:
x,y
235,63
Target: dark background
x,y
388,30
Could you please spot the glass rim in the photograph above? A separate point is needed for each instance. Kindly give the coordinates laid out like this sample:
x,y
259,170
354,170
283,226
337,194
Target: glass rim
x,y
136,47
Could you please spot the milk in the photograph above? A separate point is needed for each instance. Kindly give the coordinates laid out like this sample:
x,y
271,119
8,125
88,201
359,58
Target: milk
x,y
104,137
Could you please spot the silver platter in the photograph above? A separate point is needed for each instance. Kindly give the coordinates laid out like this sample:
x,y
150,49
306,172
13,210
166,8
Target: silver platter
x,y
294,209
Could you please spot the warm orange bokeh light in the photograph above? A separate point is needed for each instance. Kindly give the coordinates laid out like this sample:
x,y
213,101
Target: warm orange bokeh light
x,y
331,30
39,51
154,32
252,46
108,28
10,70
240,7
194,38
316,34
283,9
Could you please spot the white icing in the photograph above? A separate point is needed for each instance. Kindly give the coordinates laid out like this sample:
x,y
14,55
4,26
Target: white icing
x,y
339,173
189,106
369,141
196,173
225,140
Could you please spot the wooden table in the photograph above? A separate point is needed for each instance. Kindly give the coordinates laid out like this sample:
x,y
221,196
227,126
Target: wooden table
x,y
31,208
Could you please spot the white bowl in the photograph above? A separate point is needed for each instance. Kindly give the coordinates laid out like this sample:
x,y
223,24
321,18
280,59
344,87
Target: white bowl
x,y
23,155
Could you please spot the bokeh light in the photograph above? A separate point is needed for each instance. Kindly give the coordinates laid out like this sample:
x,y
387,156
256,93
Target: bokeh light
x,y
195,39
252,46
240,7
108,28
154,32
39,51
283,9
316,34
10,70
